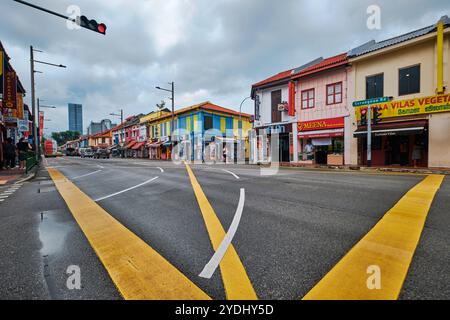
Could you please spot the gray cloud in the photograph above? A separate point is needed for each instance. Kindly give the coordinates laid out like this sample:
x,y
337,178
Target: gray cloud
x,y
213,50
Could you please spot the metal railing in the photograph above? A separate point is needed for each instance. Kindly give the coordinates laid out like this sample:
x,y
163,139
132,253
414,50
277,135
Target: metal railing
x,y
30,162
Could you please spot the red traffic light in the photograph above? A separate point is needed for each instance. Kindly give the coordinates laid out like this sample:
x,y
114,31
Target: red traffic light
x,y
364,112
92,25
101,28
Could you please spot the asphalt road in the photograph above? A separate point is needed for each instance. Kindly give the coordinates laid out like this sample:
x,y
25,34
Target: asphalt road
x,y
295,226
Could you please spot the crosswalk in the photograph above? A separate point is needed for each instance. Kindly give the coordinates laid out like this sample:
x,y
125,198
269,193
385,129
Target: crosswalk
x,y
9,191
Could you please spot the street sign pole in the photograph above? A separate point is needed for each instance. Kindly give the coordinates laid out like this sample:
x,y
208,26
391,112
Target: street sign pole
x,y
369,136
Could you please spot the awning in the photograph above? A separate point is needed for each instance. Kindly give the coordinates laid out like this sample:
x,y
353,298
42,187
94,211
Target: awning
x,y
132,143
137,146
321,134
155,145
394,128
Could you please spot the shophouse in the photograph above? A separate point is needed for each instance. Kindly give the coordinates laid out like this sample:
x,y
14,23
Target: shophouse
x,y
412,123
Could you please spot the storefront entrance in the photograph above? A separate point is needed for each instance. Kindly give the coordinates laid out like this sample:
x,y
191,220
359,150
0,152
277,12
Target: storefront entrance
x,y
397,147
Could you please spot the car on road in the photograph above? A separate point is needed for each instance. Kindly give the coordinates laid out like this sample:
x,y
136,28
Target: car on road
x,y
86,153
102,154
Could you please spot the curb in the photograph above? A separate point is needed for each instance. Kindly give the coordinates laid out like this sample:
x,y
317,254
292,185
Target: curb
x,y
29,177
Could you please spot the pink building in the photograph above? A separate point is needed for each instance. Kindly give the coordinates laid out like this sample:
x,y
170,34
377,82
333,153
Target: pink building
x,y
322,112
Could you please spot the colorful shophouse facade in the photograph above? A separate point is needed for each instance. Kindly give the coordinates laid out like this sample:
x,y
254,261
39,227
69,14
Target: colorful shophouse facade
x,y
190,127
413,72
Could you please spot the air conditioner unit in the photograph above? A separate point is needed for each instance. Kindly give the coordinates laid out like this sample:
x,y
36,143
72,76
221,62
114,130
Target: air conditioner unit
x,y
283,107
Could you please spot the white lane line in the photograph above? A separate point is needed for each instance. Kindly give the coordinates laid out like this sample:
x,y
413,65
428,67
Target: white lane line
x,y
212,265
3,196
126,190
1,200
160,169
232,173
86,175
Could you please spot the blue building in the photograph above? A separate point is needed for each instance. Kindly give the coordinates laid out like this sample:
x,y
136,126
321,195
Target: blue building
x,y
76,117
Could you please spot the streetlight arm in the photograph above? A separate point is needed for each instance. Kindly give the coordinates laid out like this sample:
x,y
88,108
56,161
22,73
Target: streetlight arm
x,y
159,88
51,64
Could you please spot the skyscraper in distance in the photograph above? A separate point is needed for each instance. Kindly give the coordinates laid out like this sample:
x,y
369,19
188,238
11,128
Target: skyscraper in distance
x,y
76,117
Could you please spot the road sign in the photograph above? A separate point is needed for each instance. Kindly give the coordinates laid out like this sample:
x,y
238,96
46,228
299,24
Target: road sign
x,y
371,101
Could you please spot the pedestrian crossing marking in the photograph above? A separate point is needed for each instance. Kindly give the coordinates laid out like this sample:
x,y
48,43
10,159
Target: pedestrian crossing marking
x,y
137,270
389,246
236,282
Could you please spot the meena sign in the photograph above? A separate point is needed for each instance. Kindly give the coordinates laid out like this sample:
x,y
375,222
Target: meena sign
x,y
402,108
323,124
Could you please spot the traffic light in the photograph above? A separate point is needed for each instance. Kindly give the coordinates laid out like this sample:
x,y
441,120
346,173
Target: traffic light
x,y
92,25
364,117
376,116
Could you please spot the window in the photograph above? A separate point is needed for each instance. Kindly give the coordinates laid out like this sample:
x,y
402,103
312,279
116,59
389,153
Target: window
x,y
375,86
208,122
409,80
276,100
334,93
308,99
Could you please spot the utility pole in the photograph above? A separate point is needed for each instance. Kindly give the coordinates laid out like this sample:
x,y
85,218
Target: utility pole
x,y
33,105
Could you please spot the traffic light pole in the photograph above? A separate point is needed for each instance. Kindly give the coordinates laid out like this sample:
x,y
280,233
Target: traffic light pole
x,y
369,136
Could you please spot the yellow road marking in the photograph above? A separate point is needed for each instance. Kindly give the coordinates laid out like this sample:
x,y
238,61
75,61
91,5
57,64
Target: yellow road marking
x,y
137,270
235,278
390,245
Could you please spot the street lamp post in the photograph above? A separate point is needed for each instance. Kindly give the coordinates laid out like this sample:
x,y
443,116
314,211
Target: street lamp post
x,y
33,96
172,91
241,124
121,122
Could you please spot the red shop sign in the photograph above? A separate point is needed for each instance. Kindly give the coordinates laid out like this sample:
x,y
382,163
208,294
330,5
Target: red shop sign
x,y
323,124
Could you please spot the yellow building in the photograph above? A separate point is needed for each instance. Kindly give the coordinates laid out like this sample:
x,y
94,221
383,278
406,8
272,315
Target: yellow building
x,y
413,72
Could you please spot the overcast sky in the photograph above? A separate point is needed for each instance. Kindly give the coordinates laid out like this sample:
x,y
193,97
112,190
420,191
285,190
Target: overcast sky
x,y
213,49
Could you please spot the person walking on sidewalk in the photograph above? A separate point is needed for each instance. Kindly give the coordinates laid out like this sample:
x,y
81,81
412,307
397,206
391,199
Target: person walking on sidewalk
x,y
22,149
10,154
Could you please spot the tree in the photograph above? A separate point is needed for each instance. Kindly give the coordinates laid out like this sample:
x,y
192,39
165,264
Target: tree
x,y
64,136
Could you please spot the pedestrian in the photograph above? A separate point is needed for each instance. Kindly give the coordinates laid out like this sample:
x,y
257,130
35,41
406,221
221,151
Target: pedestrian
x,y
22,149
10,154
309,150
417,154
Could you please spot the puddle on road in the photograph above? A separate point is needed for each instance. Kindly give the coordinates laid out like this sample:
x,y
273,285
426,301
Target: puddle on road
x,y
52,233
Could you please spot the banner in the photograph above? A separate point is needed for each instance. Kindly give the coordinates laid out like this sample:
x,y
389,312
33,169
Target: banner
x,y
19,103
10,93
41,124
410,107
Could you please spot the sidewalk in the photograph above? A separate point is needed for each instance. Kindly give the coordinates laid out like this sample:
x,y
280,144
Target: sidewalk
x,y
11,176
445,171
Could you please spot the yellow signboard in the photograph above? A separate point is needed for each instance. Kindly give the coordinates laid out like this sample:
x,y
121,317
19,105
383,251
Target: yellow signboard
x,y
410,107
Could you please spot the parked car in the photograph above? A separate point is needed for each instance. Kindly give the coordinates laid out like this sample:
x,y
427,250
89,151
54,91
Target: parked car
x,y
86,153
102,154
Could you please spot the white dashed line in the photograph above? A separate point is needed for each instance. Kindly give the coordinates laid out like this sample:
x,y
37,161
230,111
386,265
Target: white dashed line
x,y
86,175
126,190
233,174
